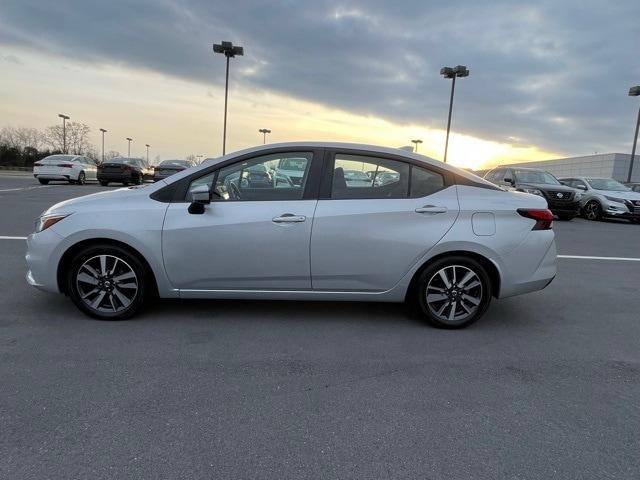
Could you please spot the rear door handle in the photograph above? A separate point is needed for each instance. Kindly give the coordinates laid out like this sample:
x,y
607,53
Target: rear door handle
x,y
431,209
289,218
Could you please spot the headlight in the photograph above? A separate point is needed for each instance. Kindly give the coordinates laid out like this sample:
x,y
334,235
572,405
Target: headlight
x,y
45,221
578,195
533,191
614,199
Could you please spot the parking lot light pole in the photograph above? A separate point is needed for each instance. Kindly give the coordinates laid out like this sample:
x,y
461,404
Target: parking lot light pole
x,y
147,145
64,131
103,132
129,147
229,51
416,143
452,73
264,132
634,92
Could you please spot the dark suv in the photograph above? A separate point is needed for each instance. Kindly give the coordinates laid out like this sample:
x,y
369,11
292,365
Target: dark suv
x,y
563,201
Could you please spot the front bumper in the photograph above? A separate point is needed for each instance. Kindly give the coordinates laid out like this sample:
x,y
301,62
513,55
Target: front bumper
x,y
564,208
42,260
621,210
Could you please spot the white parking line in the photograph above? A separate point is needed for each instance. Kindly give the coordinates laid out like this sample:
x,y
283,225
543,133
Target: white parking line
x,y
12,238
23,188
586,257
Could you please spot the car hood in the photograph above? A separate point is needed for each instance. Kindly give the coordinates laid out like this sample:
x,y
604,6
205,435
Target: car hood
x,y
120,194
546,186
618,194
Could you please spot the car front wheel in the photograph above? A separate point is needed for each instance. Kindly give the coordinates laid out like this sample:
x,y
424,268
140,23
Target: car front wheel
x,y
593,211
454,292
81,178
43,182
107,282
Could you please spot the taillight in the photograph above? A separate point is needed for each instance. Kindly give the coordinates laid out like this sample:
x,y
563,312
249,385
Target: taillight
x,y
37,164
65,165
543,217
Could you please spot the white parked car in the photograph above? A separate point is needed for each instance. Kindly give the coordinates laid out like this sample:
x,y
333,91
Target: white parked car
x,y
66,168
437,236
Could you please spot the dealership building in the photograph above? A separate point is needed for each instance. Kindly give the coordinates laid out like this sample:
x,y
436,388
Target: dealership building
x,y
610,165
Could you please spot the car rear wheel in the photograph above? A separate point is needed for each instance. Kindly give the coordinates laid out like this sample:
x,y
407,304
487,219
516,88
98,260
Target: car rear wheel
x,y
593,211
454,292
43,182
107,282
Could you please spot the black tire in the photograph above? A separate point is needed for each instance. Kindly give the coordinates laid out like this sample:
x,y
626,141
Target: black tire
x,y
565,218
125,183
481,293
82,178
103,183
138,180
110,283
592,211
43,182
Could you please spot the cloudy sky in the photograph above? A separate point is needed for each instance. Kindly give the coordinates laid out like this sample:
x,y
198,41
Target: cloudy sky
x,y
548,78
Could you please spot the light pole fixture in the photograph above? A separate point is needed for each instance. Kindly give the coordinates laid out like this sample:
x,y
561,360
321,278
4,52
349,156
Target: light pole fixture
x,y
129,147
103,132
147,145
64,131
264,132
452,73
229,50
634,92
416,142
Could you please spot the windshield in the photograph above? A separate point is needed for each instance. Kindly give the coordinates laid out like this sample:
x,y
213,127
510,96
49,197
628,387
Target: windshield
x,y
297,164
535,176
607,184
356,175
175,163
128,161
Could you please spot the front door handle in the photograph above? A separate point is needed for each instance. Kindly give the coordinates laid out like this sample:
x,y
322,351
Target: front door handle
x,y
431,209
289,218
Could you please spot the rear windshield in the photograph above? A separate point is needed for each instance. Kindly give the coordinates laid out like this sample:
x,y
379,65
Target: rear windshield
x,y
57,159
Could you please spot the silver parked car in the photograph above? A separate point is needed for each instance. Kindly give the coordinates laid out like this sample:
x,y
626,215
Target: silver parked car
x,y
606,197
441,237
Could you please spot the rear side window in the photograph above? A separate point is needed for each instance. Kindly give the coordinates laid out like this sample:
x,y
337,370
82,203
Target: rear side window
x,y
362,177
425,182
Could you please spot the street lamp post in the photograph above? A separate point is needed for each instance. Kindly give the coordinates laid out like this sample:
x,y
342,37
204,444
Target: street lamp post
x,y
129,147
229,51
634,92
416,142
264,132
452,73
64,131
147,145
103,132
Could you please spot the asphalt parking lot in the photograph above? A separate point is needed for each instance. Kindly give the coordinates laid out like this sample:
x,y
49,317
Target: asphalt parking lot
x,y
545,386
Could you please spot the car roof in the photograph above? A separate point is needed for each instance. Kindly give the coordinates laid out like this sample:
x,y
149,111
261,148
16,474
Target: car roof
x,y
355,146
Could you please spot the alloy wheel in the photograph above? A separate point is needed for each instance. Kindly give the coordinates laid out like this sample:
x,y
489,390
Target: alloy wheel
x,y
454,293
107,283
591,211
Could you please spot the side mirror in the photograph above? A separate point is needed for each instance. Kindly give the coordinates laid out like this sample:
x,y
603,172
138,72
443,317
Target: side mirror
x,y
200,196
581,187
508,180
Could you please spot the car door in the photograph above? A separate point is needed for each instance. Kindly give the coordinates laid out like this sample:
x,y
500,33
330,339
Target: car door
x,y
255,233
366,238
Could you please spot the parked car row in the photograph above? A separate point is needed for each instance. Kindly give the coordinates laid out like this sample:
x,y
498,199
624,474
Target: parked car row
x,y
77,169
568,197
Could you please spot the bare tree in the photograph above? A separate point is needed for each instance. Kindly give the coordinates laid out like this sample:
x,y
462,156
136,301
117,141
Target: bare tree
x,y
77,137
20,137
111,154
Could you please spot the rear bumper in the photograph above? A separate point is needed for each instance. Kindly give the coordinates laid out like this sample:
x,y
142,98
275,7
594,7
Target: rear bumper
x,y
116,177
51,176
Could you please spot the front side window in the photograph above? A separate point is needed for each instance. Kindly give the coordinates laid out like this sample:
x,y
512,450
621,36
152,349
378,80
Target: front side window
x,y
358,176
260,178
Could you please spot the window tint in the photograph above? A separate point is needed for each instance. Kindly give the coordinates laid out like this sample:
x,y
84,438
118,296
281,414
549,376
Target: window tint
x,y
424,182
260,178
358,176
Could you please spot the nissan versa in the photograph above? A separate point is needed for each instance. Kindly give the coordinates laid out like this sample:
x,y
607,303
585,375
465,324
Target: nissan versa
x,y
239,227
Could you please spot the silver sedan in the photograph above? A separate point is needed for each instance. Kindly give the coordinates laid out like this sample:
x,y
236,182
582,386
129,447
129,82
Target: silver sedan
x,y
432,234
